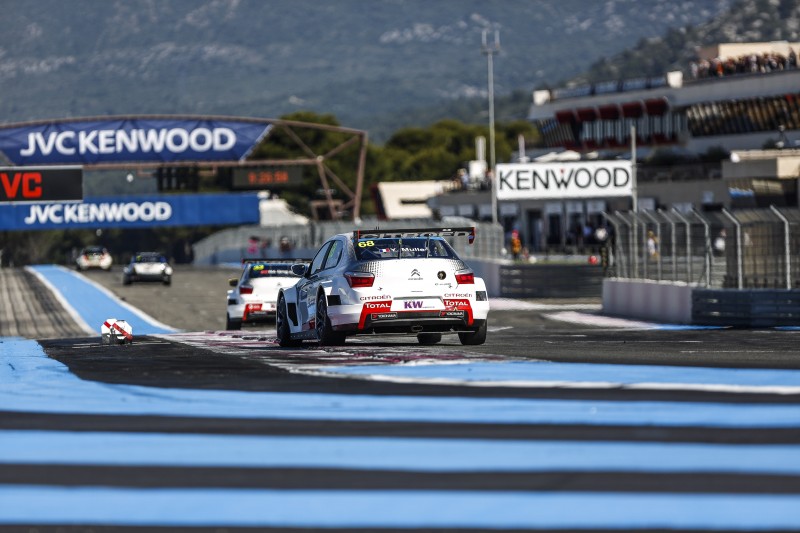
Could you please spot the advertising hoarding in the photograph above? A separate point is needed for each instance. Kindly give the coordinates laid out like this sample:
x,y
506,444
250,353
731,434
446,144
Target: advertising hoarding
x,y
564,180
88,142
143,211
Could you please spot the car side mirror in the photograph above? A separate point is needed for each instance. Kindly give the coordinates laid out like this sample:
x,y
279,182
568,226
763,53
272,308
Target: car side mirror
x,y
233,282
299,269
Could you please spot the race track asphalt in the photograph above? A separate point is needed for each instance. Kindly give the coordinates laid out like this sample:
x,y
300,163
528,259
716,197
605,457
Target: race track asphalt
x,y
551,425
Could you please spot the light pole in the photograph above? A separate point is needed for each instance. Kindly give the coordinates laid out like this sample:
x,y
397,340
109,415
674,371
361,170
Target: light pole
x,y
489,51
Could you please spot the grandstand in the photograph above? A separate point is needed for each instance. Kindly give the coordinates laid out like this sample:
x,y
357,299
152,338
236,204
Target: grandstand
x,y
736,107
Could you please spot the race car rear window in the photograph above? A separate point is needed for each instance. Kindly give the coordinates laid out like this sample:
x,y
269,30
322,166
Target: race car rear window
x,y
151,259
376,249
264,270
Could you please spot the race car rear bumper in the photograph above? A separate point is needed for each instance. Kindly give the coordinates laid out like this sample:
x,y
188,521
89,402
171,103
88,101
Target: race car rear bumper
x,y
149,277
359,319
259,312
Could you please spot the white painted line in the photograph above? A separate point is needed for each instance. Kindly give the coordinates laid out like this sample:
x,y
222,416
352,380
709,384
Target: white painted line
x,y
588,319
510,304
571,385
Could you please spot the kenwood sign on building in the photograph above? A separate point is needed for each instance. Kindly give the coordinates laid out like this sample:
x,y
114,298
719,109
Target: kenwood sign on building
x,y
561,204
581,179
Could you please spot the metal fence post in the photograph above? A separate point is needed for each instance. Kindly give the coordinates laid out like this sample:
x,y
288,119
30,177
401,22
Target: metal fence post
x,y
632,252
688,245
786,245
645,251
674,229
707,235
739,266
614,250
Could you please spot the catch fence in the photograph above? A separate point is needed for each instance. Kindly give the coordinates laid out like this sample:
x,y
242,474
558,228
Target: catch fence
x,y
741,249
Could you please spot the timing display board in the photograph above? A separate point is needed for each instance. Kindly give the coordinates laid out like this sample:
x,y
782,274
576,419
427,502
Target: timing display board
x,y
263,176
41,184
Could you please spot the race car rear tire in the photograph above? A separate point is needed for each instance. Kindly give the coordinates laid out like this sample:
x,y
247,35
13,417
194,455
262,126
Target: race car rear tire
x,y
126,280
325,333
427,339
476,337
232,324
282,326
167,281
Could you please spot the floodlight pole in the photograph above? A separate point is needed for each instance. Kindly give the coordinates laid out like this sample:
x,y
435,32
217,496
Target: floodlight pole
x,y
489,51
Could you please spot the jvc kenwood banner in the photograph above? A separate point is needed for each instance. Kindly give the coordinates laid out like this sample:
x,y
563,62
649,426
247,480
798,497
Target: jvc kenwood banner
x,y
134,212
88,142
578,179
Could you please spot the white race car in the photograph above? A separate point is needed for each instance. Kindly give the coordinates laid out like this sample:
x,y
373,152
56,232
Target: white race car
x,y
93,257
147,266
255,293
385,282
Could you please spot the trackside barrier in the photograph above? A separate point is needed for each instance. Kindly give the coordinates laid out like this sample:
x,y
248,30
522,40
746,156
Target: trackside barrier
x,y
549,281
643,299
746,308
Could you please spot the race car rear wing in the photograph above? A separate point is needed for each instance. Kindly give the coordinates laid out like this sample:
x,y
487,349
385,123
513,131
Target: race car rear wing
x,y
468,232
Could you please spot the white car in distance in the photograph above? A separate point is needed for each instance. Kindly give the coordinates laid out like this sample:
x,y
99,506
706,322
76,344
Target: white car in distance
x,y
147,266
93,257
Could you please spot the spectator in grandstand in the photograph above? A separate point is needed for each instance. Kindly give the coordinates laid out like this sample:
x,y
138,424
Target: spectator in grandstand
x,y
719,242
252,245
515,245
652,245
463,178
488,178
751,63
285,245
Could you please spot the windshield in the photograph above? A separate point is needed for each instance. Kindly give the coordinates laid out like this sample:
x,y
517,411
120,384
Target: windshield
x,y
150,259
265,270
396,248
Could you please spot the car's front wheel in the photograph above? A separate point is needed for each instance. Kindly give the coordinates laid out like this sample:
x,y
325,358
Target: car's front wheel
x,y
325,333
473,338
283,332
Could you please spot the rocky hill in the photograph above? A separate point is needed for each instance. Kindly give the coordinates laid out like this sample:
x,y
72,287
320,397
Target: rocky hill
x,y
373,64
